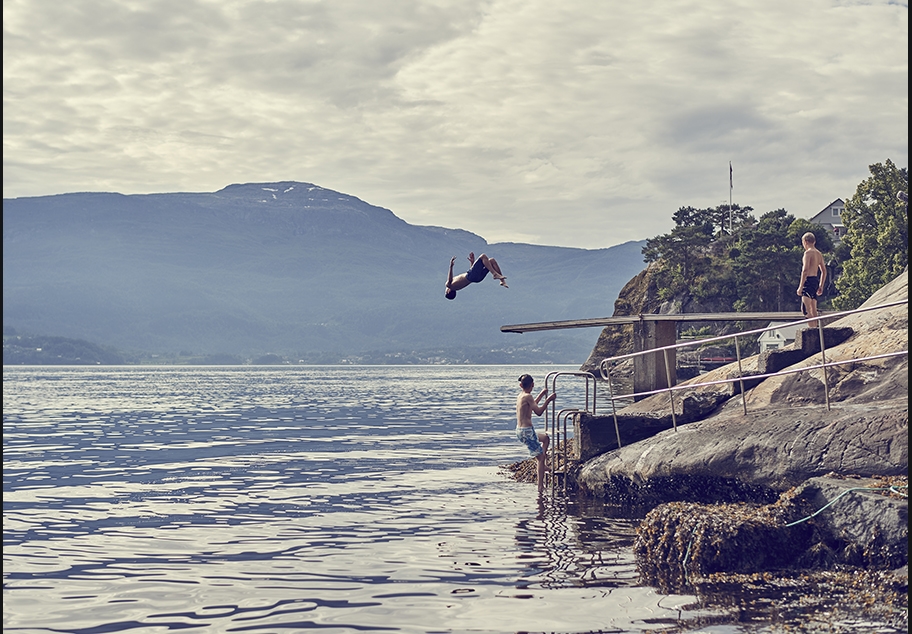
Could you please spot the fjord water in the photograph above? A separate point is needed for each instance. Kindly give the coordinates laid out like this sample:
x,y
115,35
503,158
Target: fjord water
x,y
273,499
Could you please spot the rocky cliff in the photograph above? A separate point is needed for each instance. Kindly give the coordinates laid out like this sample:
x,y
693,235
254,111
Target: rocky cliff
x,y
788,427
806,478
792,500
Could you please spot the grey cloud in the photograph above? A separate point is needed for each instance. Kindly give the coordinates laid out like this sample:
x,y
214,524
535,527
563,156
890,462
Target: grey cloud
x,y
716,127
346,52
111,31
487,115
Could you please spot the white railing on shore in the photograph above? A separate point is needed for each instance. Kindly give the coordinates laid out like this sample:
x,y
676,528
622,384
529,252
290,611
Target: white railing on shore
x,y
606,365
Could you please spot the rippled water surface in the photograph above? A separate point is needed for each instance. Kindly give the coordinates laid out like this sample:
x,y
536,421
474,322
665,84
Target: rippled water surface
x,y
262,499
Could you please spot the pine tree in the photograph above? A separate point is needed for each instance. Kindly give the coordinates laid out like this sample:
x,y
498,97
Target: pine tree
x,y
877,234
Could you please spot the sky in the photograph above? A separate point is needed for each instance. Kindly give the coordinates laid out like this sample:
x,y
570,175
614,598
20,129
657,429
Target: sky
x,y
580,123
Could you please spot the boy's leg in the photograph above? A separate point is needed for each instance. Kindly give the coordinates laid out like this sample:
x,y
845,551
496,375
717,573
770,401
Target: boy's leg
x,y
541,471
811,305
809,309
491,265
496,268
545,440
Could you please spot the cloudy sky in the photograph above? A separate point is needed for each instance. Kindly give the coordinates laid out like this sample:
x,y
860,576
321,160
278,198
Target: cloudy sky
x,y
581,123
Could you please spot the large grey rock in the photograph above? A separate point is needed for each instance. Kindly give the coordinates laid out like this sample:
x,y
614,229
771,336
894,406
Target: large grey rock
x,y
802,437
596,434
774,449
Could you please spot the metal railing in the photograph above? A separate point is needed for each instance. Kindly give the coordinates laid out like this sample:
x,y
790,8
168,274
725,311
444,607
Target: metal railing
x,y
606,365
559,459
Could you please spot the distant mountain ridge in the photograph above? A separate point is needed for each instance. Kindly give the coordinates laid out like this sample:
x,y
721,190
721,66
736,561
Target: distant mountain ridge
x,y
286,268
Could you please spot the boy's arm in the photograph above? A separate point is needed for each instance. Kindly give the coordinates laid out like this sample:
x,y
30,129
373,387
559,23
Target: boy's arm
x,y
805,270
540,409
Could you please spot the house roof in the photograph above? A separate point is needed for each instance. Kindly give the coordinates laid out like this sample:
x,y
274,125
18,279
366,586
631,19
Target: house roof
x,y
838,200
827,220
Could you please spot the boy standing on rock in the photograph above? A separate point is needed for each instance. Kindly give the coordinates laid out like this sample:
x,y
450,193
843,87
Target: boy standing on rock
x,y
525,433
813,276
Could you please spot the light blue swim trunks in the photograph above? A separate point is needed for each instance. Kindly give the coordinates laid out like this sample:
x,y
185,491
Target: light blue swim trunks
x,y
528,437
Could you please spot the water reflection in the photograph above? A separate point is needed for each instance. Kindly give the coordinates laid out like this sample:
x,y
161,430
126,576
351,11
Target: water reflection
x,y
344,499
571,544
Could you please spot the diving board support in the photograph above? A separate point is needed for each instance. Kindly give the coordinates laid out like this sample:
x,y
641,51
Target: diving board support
x,y
650,371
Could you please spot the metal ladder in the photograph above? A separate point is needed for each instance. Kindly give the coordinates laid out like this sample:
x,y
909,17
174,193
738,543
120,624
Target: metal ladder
x,y
556,426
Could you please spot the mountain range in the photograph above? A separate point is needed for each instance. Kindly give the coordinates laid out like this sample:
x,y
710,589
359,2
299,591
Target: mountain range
x,y
293,270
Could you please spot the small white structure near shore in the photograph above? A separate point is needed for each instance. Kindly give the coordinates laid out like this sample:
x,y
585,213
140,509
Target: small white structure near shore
x,y
778,338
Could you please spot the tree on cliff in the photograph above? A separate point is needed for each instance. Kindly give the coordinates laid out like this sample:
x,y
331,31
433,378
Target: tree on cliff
x,y
755,266
742,270
877,234
764,263
722,216
684,252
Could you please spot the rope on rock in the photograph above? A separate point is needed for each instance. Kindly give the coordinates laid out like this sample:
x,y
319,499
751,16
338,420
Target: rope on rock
x,y
687,553
831,502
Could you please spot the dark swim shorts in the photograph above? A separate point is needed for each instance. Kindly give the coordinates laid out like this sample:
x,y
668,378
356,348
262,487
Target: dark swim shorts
x,y
477,272
811,284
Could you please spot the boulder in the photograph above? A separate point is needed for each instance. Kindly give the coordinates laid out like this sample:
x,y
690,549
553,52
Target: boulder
x,y
824,522
771,449
859,521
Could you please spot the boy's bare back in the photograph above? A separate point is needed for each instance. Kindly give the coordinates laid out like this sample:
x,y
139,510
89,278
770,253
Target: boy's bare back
x,y
524,404
813,262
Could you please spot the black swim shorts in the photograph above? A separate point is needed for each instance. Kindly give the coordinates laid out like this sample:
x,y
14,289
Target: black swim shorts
x,y
477,272
811,284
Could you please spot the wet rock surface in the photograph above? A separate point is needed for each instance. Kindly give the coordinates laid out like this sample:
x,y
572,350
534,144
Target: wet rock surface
x,y
839,601
750,570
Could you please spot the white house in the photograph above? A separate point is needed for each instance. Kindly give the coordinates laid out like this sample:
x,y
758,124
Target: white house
x,y
773,339
830,218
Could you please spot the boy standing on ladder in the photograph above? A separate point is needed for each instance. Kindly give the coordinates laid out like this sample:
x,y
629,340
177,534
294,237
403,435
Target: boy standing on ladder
x,y
525,433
